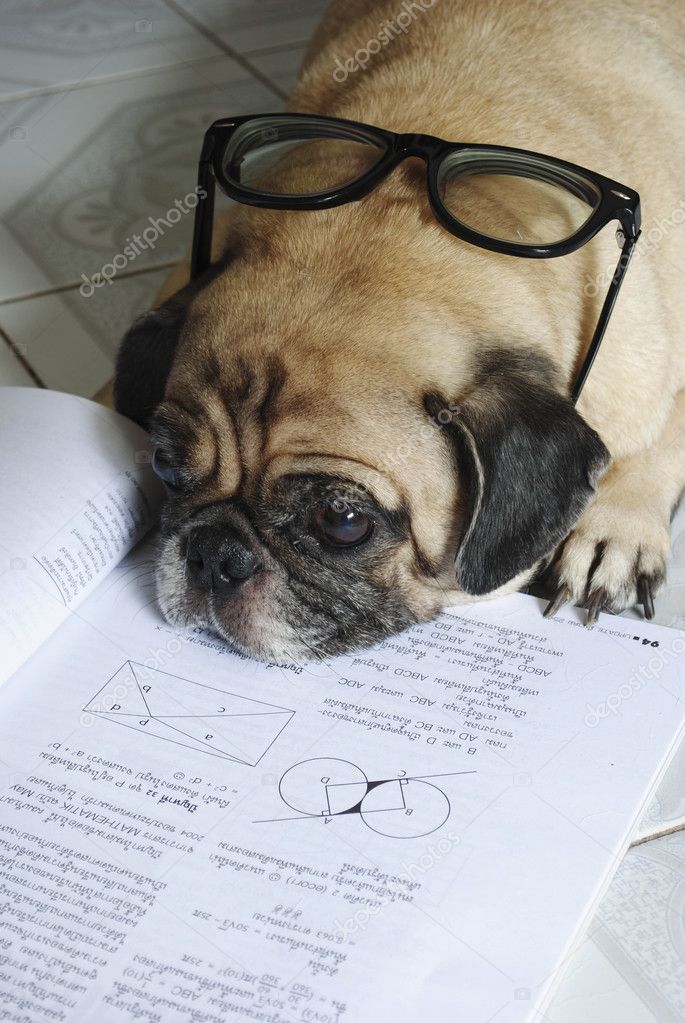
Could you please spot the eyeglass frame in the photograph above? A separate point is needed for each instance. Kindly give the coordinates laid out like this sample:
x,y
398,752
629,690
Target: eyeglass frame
x,y
617,202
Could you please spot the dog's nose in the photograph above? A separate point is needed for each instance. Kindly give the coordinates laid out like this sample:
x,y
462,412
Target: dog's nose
x,y
219,560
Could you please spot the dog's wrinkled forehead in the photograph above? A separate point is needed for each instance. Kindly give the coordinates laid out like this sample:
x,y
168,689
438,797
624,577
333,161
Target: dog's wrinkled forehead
x,y
214,422
218,433
240,412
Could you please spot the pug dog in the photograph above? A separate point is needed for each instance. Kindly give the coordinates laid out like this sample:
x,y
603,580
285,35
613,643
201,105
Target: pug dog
x,y
362,419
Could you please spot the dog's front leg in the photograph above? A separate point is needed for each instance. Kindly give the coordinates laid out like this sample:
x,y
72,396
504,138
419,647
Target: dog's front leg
x,y
616,555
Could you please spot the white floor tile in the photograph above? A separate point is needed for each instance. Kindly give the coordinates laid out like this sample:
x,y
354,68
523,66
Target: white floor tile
x,y
640,932
12,373
61,42
281,67
87,169
593,991
71,341
245,25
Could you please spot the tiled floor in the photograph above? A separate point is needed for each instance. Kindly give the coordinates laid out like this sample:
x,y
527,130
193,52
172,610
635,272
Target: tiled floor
x,y
102,111
102,108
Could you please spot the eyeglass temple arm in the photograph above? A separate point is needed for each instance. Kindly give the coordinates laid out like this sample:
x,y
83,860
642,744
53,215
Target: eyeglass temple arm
x,y
201,253
630,240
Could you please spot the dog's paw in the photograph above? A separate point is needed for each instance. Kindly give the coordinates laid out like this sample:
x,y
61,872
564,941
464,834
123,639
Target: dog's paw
x,y
613,559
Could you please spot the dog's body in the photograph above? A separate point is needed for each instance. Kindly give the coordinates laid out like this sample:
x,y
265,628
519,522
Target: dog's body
x,y
316,354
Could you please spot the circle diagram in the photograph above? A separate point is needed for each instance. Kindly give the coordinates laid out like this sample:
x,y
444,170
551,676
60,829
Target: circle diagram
x,y
404,808
398,807
323,787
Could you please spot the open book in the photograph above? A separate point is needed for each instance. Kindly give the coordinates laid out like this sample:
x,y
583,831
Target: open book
x,y
417,831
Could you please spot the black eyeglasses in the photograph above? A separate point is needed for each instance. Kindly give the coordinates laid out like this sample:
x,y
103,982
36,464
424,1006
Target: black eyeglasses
x,y
507,200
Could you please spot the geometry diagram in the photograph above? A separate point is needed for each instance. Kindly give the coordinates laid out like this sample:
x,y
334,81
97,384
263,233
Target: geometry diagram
x,y
402,807
191,714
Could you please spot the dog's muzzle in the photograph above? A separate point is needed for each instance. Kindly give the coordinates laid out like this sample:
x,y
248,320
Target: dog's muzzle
x,y
219,560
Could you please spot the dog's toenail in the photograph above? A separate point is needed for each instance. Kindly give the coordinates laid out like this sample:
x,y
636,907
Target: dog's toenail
x,y
561,597
645,596
595,605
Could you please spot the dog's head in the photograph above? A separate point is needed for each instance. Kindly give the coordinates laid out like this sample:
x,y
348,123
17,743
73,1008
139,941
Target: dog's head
x,y
344,451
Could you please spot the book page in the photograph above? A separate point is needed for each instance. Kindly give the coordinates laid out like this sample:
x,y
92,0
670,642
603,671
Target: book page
x,y
77,494
417,831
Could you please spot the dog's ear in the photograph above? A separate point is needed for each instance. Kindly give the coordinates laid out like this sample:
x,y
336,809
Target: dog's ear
x,y
146,353
530,462
144,361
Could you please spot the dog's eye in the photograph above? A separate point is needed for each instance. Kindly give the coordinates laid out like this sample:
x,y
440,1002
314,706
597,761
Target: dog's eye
x,y
339,525
167,472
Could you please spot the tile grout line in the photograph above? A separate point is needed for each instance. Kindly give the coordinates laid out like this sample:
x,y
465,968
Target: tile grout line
x,y
73,285
88,83
239,58
151,69
664,833
265,51
21,359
